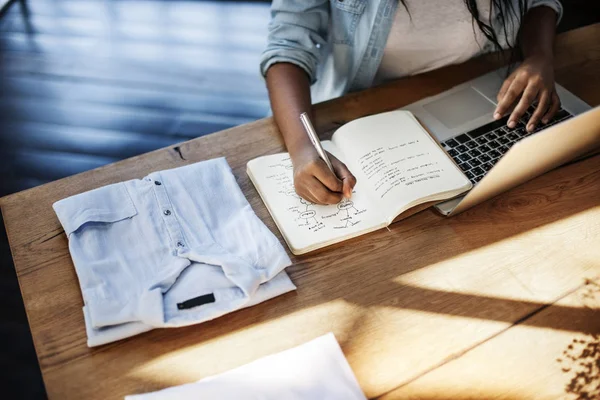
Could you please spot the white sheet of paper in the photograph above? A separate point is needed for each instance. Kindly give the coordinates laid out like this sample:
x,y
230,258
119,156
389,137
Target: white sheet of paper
x,y
314,370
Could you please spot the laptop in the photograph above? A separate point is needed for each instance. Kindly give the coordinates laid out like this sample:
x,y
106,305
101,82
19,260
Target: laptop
x,y
494,157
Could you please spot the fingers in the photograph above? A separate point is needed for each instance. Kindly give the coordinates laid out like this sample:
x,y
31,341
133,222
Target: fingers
x,y
315,182
323,194
343,173
319,193
532,81
349,183
541,108
313,190
326,177
529,95
554,107
509,97
505,85
305,193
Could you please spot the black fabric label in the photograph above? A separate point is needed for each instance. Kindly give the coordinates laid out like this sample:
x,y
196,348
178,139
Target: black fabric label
x,y
196,301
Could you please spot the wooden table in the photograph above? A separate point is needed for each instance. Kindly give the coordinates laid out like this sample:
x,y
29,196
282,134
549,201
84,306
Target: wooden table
x,y
482,305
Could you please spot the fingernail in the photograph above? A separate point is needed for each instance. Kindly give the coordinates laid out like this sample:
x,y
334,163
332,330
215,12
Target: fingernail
x,y
497,116
530,127
511,124
545,121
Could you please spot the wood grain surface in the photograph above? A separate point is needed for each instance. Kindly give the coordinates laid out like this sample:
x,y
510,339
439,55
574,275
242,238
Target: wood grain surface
x,y
526,361
415,308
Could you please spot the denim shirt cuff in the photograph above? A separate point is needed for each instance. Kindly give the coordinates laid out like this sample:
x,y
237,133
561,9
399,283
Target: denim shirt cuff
x,y
553,4
292,57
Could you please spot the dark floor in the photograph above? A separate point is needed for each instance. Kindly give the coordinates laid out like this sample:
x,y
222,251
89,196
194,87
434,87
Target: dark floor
x,y
89,82
84,83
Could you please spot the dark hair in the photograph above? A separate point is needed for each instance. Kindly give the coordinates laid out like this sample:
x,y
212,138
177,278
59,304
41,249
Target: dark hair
x,y
510,18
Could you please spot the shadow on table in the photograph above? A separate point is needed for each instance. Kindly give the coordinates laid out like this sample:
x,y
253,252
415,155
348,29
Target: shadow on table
x,y
509,215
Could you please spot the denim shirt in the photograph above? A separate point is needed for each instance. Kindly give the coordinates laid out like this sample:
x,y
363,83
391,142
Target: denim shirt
x,y
339,43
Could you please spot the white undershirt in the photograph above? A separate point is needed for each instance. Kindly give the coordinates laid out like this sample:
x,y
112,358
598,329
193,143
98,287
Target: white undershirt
x,y
437,33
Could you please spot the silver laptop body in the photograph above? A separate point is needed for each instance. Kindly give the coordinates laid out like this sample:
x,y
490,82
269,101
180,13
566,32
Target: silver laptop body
x,y
494,157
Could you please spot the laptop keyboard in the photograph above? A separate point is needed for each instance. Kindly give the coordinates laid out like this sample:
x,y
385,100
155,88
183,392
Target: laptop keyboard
x,y
477,151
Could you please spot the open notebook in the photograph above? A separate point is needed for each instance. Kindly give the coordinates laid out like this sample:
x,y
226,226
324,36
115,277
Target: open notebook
x,y
397,165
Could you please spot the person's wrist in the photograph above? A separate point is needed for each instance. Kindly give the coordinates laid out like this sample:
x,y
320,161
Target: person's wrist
x,y
303,152
300,147
540,57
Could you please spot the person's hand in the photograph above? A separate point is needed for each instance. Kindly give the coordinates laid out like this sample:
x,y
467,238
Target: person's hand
x,y
532,81
314,181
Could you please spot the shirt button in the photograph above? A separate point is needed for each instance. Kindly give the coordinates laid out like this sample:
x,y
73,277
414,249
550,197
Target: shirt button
x,y
157,183
180,244
167,212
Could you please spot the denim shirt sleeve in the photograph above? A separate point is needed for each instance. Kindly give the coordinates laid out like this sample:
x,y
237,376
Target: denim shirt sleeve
x,y
553,4
297,34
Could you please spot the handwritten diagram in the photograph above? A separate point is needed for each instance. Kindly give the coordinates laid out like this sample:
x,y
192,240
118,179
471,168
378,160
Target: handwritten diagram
x,y
347,213
306,215
309,215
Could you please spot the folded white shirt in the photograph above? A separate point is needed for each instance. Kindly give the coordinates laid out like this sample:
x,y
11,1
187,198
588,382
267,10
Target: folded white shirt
x,y
178,247
316,370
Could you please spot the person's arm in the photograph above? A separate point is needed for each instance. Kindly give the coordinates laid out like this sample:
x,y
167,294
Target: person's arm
x,y
534,78
297,35
289,92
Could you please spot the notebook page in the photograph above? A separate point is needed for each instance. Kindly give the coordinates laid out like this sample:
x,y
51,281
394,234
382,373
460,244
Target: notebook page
x,y
306,226
398,162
